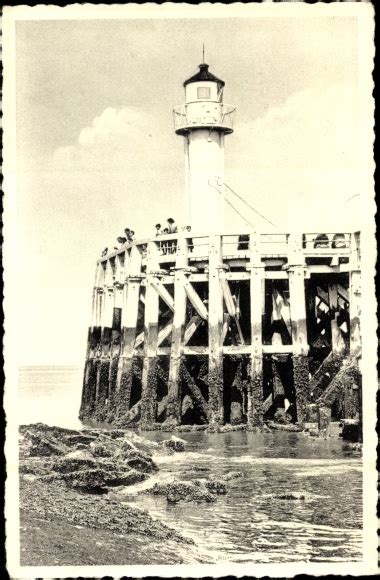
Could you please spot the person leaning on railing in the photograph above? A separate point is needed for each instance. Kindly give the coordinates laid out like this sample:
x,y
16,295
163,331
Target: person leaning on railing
x,y
339,241
165,245
172,229
321,241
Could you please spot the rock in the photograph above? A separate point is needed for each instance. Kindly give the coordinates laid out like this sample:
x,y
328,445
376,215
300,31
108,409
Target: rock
x,y
39,446
280,416
324,419
355,446
313,432
351,430
312,413
70,464
138,442
183,491
116,433
229,428
115,478
231,475
100,449
291,496
174,444
184,428
288,427
53,431
79,439
216,486
139,460
236,415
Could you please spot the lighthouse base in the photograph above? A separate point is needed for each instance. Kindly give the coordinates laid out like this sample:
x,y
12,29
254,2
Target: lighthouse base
x,y
224,335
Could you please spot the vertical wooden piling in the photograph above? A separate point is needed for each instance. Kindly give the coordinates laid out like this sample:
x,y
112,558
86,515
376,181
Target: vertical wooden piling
x,y
93,343
215,333
299,331
131,297
355,294
115,345
102,381
255,383
173,409
149,371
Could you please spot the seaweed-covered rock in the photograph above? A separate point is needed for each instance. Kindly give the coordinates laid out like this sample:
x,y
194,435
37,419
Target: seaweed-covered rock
x,y
217,486
101,449
183,491
114,478
116,433
231,475
70,464
174,443
35,445
280,416
139,460
281,427
78,439
291,496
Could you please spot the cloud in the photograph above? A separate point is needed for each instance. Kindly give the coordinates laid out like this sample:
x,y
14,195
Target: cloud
x,y
313,129
299,163
118,139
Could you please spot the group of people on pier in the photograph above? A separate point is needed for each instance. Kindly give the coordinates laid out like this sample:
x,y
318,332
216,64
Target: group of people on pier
x,y
169,246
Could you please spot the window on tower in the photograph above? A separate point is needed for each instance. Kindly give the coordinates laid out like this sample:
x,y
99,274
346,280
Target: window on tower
x,y
203,92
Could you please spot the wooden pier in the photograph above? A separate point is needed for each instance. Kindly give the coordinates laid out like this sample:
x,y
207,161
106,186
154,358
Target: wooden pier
x,y
214,330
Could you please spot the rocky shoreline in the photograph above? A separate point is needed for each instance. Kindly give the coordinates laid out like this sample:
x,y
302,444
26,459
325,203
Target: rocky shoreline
x,y
65,480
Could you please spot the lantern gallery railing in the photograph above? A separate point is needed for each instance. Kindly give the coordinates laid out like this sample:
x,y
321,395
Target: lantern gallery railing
x,y
222,117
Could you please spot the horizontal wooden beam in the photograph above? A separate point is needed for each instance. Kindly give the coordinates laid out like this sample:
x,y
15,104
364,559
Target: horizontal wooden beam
x,y
198,277
228,350
195,350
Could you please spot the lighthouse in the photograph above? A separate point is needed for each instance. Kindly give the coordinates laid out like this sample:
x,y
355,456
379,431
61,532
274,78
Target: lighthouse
x,y
203,121
206,327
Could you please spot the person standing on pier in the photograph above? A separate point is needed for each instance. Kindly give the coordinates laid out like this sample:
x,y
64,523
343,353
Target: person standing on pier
x,y
172,230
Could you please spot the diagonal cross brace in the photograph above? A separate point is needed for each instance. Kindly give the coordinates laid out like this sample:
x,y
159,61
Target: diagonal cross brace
x,y
162,292
195,300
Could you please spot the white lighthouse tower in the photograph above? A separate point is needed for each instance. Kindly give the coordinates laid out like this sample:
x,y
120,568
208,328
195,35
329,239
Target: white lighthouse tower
x,y
203,121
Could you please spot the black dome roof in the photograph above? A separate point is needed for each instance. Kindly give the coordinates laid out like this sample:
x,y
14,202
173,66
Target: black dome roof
x,y
203,75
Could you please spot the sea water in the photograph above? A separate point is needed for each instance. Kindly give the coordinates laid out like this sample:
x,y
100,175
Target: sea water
x,y
251,523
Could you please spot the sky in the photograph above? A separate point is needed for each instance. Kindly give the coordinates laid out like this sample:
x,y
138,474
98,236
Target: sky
x,y
96,149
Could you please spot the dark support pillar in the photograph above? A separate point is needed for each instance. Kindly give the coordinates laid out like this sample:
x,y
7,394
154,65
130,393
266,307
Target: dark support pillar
x,y
93,348
102,380
149,373
130,306
173,410
299,331
215,330
255,383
